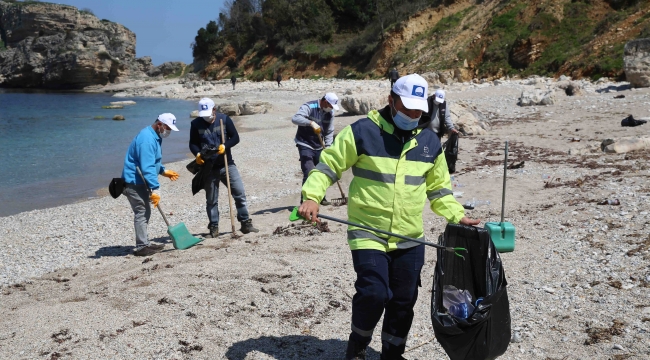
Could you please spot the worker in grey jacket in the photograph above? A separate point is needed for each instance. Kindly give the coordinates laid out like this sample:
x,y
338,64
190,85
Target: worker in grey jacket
x,y
438,110
314,119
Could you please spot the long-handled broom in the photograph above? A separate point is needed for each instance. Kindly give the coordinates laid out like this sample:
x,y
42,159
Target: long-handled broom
x,y
225,161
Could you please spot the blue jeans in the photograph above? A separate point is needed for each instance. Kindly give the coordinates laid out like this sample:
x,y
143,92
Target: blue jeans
x,y
309,158
212,194
385,281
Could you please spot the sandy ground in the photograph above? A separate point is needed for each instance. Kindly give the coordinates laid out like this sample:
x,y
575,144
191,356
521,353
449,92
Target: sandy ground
x,y
579,279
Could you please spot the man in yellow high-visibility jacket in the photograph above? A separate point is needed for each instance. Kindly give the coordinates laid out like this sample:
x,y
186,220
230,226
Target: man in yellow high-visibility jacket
x,y
397,163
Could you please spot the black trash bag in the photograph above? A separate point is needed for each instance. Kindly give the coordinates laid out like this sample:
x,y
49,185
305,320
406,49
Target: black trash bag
x,y
193,167
451,152
202,172
631,121
485,334
116,187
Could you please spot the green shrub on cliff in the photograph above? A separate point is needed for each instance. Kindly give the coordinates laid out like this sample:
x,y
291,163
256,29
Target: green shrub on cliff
x,y
2,45
303,28
86,11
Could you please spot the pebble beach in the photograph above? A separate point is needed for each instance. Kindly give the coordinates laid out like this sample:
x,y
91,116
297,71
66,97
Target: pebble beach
x,y
578,280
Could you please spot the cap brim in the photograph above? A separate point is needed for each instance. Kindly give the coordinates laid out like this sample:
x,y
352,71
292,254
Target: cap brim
x,y
205,113
173,127
334,106
439,101
415,104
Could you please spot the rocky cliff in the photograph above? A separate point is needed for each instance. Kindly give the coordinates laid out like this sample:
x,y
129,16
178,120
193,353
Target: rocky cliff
x,y
59,47
461,40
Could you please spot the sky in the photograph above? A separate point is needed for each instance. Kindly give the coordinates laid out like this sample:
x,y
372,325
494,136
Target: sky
x,y
164,29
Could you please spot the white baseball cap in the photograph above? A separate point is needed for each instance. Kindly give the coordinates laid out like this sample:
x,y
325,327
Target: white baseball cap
x,y
333,100
412,89
440,96
205,107
168,119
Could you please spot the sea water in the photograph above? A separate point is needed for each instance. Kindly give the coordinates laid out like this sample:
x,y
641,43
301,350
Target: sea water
x,y
53,151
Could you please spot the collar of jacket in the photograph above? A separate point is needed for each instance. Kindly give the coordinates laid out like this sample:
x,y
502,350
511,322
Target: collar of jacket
x,y
384,119
156,135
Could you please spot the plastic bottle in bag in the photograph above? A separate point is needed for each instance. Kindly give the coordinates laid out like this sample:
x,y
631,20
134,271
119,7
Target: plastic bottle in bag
x,y
457,302
474,203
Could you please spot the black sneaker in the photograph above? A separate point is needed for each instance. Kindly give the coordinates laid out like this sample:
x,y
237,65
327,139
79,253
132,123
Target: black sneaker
x,y
325,202
156,246
146,251
355,351
214,232
247,227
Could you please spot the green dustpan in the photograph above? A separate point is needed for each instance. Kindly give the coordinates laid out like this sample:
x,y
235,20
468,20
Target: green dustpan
x,y
181,237
502,233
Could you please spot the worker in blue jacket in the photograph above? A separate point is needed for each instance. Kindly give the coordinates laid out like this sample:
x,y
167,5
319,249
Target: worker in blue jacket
x,y
145,152
205,134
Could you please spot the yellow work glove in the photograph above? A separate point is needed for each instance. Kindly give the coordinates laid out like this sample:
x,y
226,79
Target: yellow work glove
x,y
171,174
199,160
315,127
155,199
222,149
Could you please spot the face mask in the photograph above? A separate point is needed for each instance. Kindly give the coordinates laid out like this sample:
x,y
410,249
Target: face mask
x,y
165,133
208,118
404,122
327,110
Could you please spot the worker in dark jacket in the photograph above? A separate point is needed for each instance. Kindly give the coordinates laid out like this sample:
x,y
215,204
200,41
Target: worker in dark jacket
x,y
393,75
438,115
205,134
233,80
314,119
279,79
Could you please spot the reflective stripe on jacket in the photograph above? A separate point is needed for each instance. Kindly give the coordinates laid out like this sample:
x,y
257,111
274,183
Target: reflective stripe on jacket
x,y
391,183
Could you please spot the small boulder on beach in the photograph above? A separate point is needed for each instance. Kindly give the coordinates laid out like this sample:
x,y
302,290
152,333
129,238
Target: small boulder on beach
x,y
112,107
118,117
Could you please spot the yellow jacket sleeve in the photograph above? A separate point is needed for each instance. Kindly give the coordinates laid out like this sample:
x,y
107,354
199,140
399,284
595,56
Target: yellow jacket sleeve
x,y
439,192
333,162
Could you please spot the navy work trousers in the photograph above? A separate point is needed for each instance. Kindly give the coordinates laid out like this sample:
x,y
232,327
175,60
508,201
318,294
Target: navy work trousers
x,y
309,158
385,281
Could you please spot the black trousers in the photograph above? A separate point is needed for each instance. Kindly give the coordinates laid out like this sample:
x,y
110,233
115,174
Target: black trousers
x,y
386,283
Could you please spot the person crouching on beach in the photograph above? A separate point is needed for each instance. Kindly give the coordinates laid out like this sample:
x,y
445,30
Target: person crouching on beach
x,y
145,153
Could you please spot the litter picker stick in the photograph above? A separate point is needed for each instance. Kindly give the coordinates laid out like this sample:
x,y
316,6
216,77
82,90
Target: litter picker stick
x,y
150,192
225,161
295,216
505,172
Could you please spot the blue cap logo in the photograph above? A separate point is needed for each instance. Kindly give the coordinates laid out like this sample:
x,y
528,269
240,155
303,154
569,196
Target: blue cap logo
x,y
174,122
204,107
418,91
